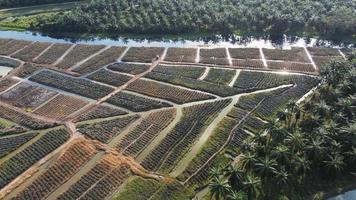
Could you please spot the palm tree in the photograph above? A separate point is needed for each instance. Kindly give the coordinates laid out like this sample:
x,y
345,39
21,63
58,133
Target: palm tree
x,y
235,175
248,160
282,154
265,167
237,196
296,140
301,166
282,178
252,186
215,172
219,188
315,149
334,164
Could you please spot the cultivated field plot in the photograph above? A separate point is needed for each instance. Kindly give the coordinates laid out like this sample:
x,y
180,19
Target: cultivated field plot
x,y
142,54
61,106
104,122
216,56
26,96
188,55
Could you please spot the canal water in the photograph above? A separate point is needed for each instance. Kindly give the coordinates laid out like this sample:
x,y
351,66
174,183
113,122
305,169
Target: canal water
x,y
177,41
350,195
4,70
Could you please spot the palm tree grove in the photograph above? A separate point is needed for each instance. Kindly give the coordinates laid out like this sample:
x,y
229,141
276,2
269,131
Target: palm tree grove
x,y
177,100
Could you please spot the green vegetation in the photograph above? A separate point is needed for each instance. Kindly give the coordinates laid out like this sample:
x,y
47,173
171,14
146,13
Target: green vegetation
x,y
140,188
220,76
321,17
310,145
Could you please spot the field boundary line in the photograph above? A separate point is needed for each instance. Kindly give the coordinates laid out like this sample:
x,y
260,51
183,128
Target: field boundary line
x,y
342,54
205,74
263,58
311,59
119,59
236,76
44,51
228,56
81,62
15,52
64,55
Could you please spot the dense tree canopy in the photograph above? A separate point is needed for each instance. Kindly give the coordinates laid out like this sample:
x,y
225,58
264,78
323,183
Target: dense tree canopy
x,y
219,16
309,144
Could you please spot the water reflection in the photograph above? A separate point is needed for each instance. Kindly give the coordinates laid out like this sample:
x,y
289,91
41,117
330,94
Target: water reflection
x,y
351,195
178,40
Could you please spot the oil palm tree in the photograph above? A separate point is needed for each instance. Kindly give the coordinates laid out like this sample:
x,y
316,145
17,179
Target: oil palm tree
x,y
265,167
219,188
240,195
334,164
252,186
235,175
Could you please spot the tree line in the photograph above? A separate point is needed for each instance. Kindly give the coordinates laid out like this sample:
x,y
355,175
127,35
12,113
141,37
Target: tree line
x,y
311,144
276,17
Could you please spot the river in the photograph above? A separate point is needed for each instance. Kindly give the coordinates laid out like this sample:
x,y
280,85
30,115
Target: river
x,y
350,195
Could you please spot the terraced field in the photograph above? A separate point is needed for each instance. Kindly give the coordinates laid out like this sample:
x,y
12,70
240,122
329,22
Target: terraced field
x,y
127,123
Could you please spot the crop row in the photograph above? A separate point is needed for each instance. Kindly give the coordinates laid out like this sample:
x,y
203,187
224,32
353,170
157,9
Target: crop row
x,y
9,62
13,46
108,77
4,41
61,106
9,144
245,53
7,83
216,56
16,165
276,102
186,71
136,103
322,61
129,68
316,51
205,86
31,51
77,54
101,111
296,54
220,76
139,137
63,169
27,96
180,139
253,124
10,129
106,186
181,55
291,66
214,143
104,131
142,54
248,63
100,170
28,69
70,84
167,92
261,80
249,102
23,119
53,54
106,57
